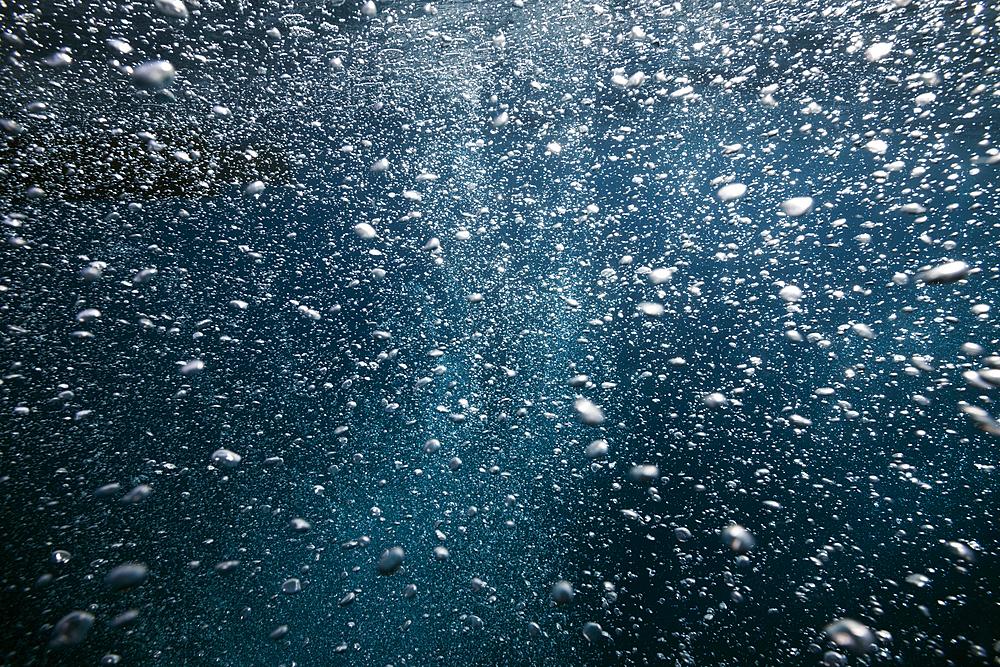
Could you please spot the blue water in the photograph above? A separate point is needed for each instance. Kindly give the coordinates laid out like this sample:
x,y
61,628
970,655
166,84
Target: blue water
x,y
869,494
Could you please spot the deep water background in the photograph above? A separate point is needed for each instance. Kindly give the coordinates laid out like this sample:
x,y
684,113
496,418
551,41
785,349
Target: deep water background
x,y
851,525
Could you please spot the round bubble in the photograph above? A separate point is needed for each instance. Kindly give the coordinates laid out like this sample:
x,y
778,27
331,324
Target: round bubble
x,y
72,629
154,74
851,636
225,458
738,538
126,576
562,592
390,560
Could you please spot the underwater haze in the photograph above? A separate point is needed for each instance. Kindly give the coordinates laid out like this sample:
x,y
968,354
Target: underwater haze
x,y
499,333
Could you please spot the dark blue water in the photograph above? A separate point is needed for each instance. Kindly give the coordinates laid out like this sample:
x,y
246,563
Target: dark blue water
x,y
868,492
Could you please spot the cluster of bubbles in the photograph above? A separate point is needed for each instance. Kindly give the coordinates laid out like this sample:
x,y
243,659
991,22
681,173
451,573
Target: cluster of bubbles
x,y
594,335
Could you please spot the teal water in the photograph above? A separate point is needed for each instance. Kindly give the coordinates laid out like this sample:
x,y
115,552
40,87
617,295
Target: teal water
x,y
545,186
